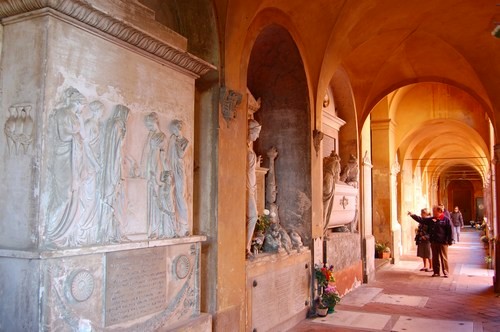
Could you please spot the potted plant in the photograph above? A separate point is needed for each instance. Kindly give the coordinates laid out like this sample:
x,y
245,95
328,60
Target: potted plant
x,y
324,275
330,298
261,227
321,309
383,250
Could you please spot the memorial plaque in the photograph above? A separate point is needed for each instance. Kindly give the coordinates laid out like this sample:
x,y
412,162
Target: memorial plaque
x,y
279,295
135,284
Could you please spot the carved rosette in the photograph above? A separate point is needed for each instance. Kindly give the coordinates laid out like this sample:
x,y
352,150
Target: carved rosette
x,y
182,266
81,285
85,13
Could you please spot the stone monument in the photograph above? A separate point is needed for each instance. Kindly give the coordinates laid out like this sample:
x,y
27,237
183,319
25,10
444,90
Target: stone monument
x,y
252,163
96,226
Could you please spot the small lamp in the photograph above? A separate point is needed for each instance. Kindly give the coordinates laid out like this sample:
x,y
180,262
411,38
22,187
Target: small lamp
x,y
496,32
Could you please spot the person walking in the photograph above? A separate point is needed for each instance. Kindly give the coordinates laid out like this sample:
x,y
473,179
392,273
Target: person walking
x,y
440,237
457,222
422,239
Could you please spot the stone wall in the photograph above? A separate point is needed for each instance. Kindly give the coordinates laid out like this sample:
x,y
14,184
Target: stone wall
x,y
98,156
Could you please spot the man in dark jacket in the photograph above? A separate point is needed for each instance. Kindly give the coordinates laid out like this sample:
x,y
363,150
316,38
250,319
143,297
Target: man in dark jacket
x,y
440,236
457,222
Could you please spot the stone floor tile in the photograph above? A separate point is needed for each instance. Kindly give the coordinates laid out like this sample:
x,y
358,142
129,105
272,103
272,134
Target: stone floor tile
x,y
465,297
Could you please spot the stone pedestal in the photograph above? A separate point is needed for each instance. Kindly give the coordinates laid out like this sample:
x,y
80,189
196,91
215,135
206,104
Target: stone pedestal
x,y
278,290
128,287
260,173
97,169
344,252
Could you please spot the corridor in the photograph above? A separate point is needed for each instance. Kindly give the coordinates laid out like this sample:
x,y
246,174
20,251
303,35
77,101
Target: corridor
x,y
404,299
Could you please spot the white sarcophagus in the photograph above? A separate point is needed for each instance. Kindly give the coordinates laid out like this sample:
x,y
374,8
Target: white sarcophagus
x,y
344,205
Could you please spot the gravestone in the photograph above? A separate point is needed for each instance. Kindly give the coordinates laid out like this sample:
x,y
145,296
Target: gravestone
x,y
97,101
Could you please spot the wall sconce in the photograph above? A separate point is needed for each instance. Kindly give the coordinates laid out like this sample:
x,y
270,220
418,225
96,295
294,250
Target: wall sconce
x,y
496,31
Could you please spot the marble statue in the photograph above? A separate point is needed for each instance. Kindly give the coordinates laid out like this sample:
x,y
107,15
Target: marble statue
x,y
331,176
111,218
350,172
177,146
272,241
153,163
296,241
271,187
65,169
286,242
252,163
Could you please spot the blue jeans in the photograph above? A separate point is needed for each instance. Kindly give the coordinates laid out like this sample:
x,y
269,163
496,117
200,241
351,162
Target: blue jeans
x,y
455,231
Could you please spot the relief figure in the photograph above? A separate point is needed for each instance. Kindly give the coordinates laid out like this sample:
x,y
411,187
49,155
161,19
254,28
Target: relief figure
x,y
91,176
177,146
153,163
65,169
111,217
167,205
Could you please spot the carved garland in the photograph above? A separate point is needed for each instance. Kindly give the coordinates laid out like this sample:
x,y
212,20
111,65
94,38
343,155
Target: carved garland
x,y
84,12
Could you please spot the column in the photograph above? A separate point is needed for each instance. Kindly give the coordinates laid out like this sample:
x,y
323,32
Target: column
x,y
495,221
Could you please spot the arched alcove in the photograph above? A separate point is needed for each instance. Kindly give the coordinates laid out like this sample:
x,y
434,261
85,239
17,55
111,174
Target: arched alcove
x,y
276,75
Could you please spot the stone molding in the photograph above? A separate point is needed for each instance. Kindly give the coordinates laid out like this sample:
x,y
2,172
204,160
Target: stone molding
x,y
99,249
82,11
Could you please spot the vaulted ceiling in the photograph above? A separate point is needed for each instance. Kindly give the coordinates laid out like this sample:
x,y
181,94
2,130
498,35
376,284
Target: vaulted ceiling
x,y
381,45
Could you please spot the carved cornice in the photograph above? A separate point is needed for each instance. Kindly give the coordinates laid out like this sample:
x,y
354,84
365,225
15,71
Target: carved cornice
x,y
82,11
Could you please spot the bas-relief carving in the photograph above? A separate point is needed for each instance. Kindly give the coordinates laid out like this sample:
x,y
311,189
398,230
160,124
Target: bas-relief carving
x,y
18,129
177,146
75,289
86,186
230,100
66,169
111,217
317,138
87,171
163,168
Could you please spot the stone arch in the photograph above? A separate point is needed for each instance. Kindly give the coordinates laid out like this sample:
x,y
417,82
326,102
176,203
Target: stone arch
x,y
263,19
276,75
345,108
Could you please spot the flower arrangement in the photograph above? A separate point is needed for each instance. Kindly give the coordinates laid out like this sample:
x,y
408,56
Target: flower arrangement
x,y
263,222
330,297
324,275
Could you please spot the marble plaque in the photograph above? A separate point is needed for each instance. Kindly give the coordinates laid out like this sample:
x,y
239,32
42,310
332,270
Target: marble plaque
x,y
135,284
278,296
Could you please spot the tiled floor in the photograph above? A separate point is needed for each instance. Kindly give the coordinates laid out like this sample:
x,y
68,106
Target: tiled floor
x,y
404,299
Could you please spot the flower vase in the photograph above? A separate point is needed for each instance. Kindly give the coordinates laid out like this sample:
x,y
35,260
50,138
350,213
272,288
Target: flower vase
x,y
331,310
